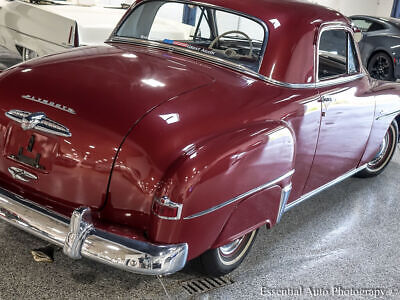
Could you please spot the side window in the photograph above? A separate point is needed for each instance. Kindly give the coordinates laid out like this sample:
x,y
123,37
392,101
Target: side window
x,y
332,54
337,55
375,27
354,65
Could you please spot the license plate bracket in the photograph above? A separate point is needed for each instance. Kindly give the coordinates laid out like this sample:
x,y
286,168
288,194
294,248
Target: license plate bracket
x,y
30,161
31,149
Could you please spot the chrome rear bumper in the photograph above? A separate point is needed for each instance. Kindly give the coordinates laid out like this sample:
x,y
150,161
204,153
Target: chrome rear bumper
x,y
78,237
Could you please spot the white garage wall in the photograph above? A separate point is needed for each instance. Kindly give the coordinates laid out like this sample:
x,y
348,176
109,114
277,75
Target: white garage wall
x,y
380,8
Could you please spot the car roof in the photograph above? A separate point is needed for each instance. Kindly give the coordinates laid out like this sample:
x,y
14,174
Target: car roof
x,y
292,27
267,9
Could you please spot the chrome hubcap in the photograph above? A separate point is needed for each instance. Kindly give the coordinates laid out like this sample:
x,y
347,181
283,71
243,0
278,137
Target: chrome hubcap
x,y
230,248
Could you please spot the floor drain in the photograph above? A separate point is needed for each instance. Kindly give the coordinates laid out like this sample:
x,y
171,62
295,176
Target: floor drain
x,y
203,285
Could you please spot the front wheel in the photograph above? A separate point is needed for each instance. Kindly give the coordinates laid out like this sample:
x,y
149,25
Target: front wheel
x,y
225,259
384,155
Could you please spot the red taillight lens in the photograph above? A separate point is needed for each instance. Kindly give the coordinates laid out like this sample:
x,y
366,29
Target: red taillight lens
x,y
165,209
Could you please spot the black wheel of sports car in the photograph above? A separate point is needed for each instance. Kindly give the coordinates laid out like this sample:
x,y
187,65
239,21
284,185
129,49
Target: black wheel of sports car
x,y
380,67
384,155
222,260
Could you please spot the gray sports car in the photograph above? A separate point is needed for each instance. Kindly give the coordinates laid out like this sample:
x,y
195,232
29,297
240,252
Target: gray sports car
x,y
380,46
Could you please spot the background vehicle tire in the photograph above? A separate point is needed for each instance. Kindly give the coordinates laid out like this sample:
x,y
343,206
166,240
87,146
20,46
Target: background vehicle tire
x,y
380,67
384,155
223,260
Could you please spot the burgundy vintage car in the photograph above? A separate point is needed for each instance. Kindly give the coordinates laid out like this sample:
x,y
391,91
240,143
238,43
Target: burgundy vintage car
x,y
167,146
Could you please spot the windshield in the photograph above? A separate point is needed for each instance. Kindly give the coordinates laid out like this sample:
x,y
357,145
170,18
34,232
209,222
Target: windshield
x,y
197,28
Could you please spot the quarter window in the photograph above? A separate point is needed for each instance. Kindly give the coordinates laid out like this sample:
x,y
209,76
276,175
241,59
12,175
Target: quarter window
x,y
337,55
354,65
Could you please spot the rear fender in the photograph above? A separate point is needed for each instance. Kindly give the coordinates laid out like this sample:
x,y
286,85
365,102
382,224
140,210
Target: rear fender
x,y
255,211
387,109
215,177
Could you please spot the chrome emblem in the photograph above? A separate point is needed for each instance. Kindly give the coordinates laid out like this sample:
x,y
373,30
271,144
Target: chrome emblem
x,y
30,121
49,103
38,121
21,175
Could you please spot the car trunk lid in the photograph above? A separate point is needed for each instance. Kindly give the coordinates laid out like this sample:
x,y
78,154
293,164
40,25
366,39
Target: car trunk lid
x,y
92,96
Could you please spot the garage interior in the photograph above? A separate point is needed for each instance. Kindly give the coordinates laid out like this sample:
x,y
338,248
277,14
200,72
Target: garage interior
x,y
345,237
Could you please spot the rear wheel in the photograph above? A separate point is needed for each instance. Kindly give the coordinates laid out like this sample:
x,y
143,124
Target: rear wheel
x,y
380,67
384,155
225,259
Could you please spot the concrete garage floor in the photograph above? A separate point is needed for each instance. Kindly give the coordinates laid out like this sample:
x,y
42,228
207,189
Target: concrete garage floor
x,y
346,237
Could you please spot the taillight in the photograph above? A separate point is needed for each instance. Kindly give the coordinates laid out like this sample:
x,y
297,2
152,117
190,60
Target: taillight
x,y
165,209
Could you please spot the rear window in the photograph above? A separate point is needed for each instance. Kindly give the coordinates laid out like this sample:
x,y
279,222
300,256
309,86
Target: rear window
x,y
199,29
367,25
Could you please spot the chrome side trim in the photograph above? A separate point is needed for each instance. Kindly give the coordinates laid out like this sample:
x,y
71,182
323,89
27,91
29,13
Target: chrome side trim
x,y
320,189
242,196
80,238
37,121
284,198
388,114
339,80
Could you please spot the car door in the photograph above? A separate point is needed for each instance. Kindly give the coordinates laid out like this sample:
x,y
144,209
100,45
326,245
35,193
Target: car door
x,y
347,108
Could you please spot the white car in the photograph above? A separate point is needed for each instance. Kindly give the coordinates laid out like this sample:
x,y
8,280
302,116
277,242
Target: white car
x,y
47,27
51,26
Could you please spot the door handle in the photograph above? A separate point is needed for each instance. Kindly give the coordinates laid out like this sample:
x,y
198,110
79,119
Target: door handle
x,y
326,99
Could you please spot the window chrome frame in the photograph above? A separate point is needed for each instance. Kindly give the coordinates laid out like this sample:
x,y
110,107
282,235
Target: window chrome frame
x,y
339,79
